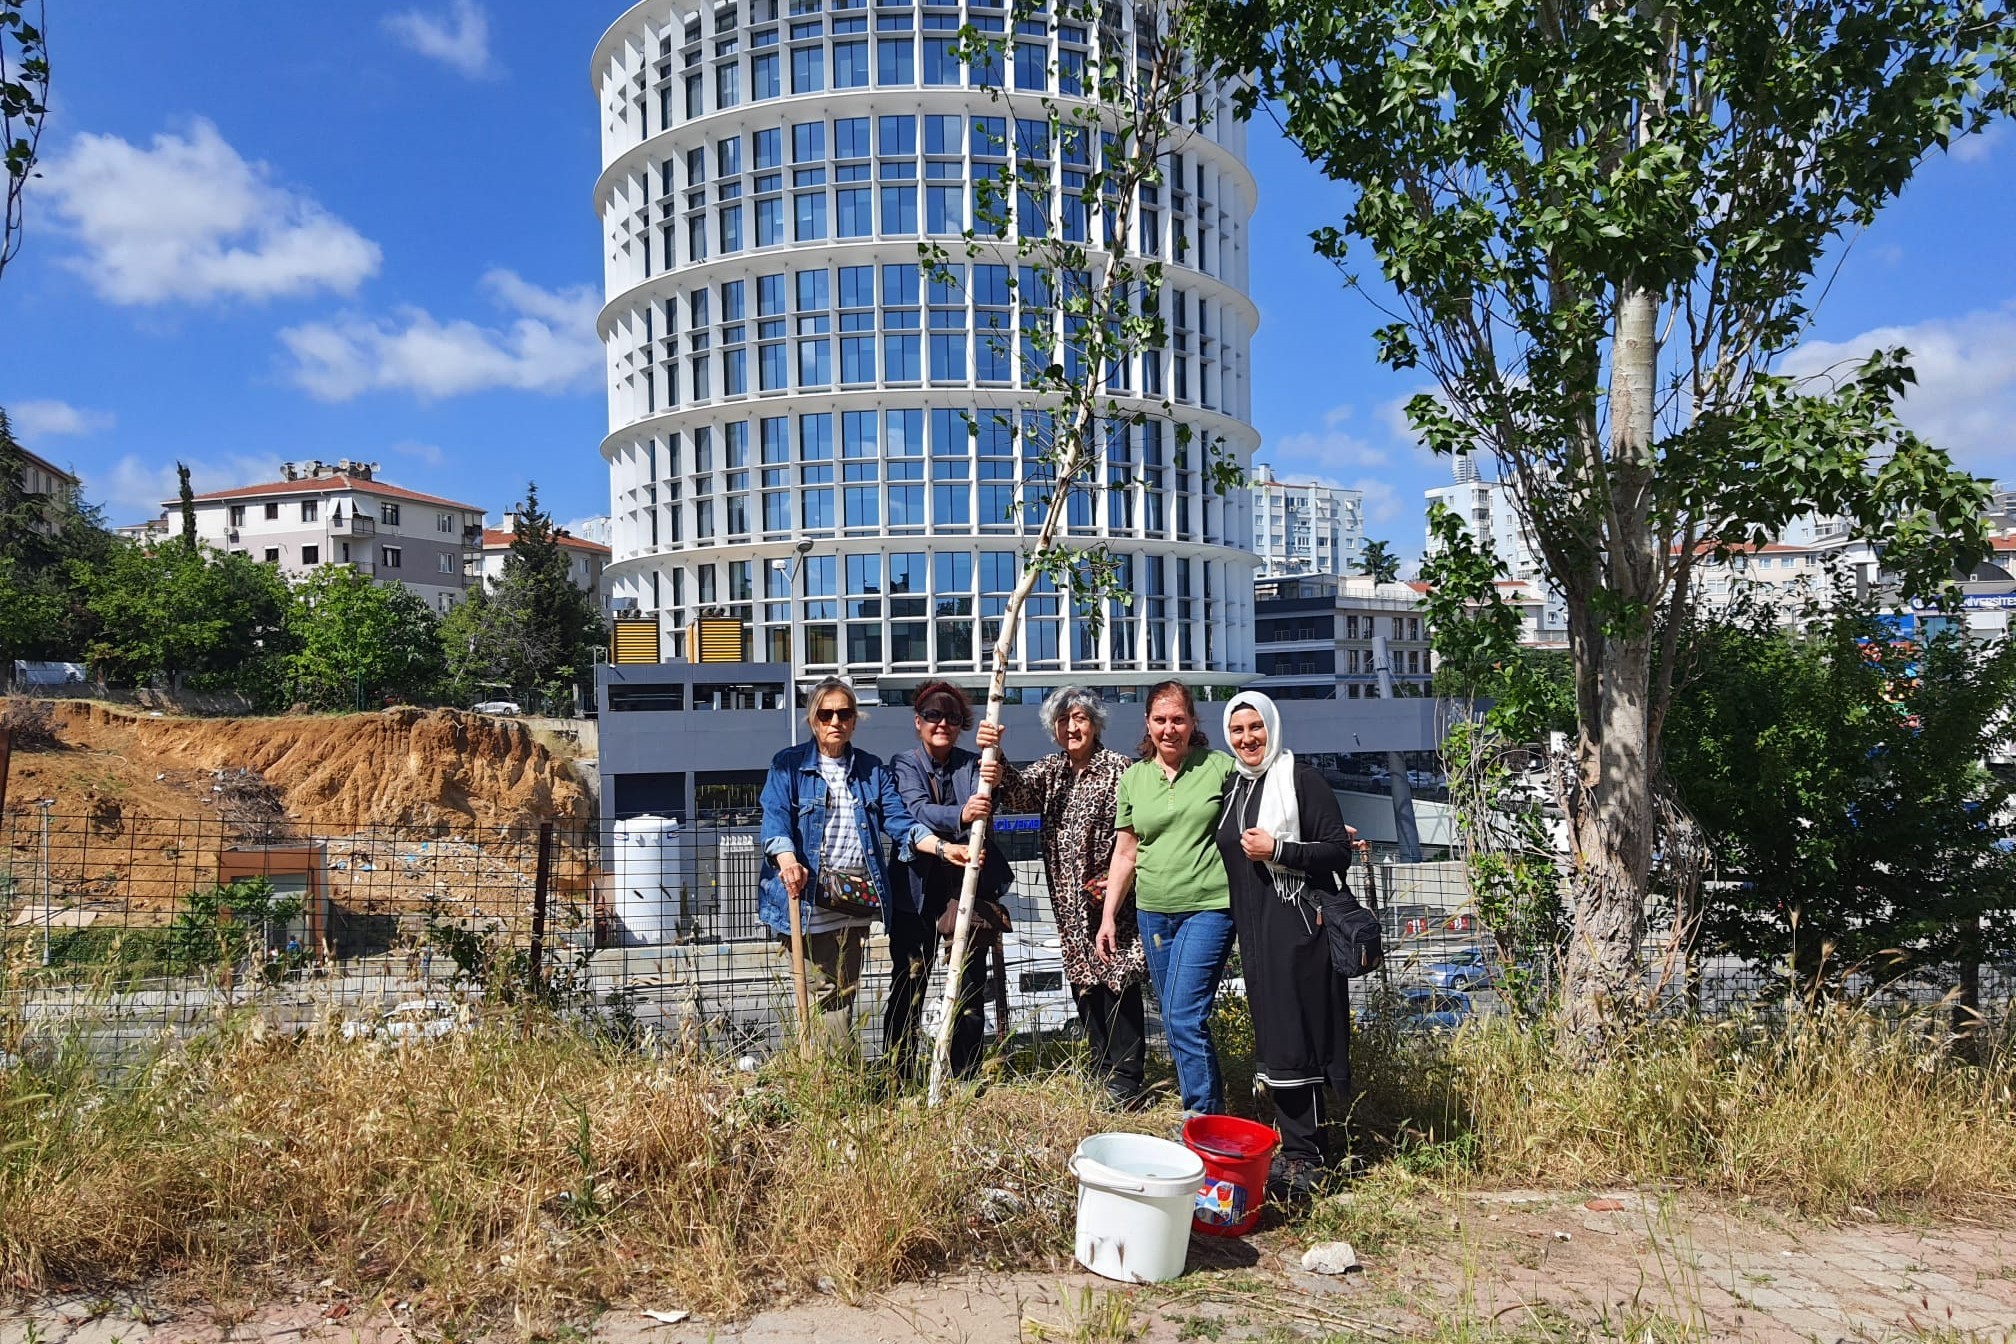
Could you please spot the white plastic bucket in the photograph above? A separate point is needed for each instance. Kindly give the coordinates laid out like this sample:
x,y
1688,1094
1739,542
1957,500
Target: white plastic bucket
x,y
1135,1197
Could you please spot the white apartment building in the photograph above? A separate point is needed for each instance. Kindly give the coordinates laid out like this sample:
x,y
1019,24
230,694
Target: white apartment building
x,y
594,529
1301,527
803,424
154,529
585,559
341,514
1490,509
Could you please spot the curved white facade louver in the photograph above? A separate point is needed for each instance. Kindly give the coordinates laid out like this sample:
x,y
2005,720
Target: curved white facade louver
x,y
783,369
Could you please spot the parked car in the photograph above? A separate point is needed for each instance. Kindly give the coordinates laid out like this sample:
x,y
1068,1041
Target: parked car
x,y
504,707
1467,969
1424,1009
414,1020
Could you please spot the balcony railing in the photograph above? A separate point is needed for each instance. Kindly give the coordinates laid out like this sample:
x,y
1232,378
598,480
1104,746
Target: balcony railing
x,y
356,525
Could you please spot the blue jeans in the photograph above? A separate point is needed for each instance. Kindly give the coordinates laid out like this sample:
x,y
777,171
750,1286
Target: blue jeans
x,y
1186,955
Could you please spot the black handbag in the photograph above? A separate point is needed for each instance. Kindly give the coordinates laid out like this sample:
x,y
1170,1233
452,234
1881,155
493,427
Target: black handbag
x,y
1356,947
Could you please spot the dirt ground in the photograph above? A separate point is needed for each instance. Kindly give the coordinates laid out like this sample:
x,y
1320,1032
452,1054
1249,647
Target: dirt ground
x,y
1523,1265
140,798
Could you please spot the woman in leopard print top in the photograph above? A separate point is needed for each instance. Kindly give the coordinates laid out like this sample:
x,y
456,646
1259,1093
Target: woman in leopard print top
x,y
1073,791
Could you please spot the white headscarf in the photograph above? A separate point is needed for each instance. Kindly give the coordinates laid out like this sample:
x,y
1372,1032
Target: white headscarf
x,y
1280,814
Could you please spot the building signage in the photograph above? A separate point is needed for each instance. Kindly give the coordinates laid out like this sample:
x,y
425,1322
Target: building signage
x,y
1973,602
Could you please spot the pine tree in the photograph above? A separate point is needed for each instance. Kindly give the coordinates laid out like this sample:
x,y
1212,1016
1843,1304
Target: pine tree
x,y
542,630
42,540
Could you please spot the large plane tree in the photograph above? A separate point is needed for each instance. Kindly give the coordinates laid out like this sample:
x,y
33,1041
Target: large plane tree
x,y
1601,225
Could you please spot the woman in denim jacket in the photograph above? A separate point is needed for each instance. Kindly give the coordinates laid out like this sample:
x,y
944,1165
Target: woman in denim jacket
x,y
827,808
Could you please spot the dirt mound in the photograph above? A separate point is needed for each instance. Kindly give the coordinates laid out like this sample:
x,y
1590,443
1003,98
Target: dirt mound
x,y
142,804
404,767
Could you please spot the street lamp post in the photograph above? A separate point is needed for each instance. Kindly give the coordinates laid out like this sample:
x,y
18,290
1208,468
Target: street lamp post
x,y
798,554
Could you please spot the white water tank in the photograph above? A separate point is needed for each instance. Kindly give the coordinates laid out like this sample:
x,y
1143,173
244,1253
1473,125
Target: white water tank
x,y
657,881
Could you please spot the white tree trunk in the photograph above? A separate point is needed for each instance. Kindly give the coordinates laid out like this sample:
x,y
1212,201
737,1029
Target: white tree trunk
x,y
1612,825
976,834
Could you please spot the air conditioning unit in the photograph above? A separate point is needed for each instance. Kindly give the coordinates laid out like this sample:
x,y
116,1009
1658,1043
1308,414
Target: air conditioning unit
x,y
232,535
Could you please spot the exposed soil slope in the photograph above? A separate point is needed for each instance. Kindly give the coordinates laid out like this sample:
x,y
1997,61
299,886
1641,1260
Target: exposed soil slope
x,y
402,767
139,798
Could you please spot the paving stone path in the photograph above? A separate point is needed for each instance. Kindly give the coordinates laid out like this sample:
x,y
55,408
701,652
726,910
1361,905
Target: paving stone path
x,y
1527,1266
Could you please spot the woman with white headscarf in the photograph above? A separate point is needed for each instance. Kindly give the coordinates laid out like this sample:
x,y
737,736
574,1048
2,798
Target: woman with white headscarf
x,y
1285,845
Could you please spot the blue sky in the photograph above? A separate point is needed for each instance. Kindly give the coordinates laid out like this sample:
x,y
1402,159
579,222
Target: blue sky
x,y
365,230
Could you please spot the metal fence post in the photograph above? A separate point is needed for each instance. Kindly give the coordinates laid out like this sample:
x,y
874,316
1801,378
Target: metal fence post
x,y
542,881
48,892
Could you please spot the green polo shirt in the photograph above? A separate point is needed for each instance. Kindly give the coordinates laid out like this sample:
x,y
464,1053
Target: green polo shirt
x,y
1179,869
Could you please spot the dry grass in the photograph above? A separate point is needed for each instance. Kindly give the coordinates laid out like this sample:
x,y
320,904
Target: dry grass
x,y
1839,1109
490,1171
535,1172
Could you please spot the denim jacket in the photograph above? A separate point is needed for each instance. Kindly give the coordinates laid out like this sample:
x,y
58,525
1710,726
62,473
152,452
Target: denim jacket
x,y
794,821
935,792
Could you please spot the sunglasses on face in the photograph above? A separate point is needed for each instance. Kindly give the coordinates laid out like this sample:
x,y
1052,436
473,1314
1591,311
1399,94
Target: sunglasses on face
x,y
938,716
834,715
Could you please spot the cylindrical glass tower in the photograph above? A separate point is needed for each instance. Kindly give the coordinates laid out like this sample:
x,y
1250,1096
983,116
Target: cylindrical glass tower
x,y
783,370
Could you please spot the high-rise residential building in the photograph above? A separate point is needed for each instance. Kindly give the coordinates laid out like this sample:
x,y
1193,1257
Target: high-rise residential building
x,y
1490,509
1302,527
806,428
323,513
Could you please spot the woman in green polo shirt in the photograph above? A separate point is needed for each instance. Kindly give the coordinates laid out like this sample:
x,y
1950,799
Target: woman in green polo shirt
x,y
1164,852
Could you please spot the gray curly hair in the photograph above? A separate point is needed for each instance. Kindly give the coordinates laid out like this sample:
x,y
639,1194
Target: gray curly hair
x,y
1057,707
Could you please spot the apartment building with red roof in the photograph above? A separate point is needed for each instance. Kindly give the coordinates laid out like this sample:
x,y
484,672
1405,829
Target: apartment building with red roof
x,y
341,514
585,559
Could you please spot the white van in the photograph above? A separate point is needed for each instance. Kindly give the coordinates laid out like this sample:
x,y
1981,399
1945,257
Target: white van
x,y
1040,1002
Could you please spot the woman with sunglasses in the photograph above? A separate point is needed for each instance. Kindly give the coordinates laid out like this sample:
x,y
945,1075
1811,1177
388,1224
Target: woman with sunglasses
x,y
827,808
938,781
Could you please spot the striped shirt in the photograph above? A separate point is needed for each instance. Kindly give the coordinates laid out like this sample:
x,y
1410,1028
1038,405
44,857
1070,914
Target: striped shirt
x,y
840,843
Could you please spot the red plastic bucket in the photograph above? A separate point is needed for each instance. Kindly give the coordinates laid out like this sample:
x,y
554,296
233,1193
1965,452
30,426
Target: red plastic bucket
x,y
1236,1155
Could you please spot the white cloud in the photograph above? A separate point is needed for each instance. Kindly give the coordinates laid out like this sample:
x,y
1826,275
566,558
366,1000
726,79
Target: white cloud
x,y
1393,416
428,453
1382,502
189,218
1965,397
549,346
1980,147
460,38
132,490
36,421
1329,449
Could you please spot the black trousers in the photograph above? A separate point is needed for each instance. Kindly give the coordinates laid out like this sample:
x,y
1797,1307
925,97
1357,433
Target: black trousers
x,y
913,951
1116,1027
1298,1114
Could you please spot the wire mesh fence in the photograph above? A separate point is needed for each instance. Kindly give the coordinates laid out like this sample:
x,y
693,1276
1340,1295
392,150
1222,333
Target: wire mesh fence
x,y
116,928
121,927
